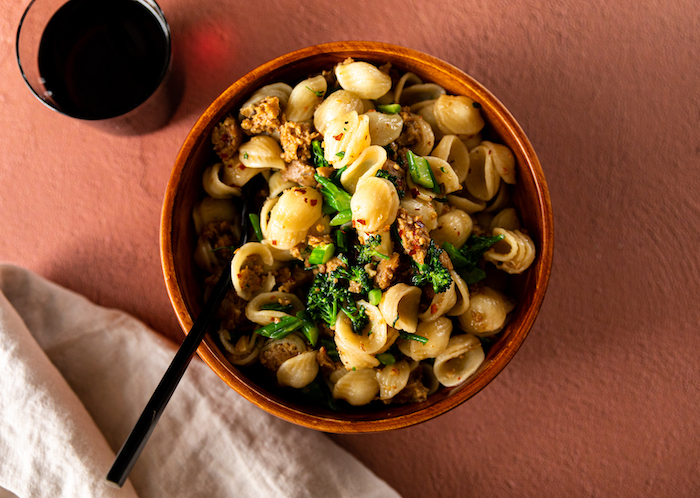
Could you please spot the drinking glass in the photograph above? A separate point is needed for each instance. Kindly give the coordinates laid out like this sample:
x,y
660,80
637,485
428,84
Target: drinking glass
x,y
107,62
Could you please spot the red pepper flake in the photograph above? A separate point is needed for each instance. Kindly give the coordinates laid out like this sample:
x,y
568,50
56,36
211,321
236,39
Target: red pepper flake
x,y
301,190
223,156
241,166
414,192
339,136
362,222
314,202
433,309
274,242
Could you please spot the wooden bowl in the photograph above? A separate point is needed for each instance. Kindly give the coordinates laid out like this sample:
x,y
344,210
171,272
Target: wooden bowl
x,y
184,281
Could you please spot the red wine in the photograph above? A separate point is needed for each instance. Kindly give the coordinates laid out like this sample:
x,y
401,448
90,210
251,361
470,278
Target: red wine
x,y
102,58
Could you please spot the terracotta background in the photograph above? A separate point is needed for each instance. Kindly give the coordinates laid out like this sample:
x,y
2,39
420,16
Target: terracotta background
x,y
602,399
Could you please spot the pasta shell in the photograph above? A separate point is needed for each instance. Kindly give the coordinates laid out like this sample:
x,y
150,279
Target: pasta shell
x,y
370,161
466,202
392,379
339,103
297,209
503,160
421,92
236,173
255,313
462,358
440,304
374,205
279,90
420,208
298,371
345,139
514,254
358,387
482,180
363,79
211,210
261,152
244,255
462,289
457,115
438,334
453,150
407,80
384,128
487,312
453,227
305,97
506,218
213,185
399,306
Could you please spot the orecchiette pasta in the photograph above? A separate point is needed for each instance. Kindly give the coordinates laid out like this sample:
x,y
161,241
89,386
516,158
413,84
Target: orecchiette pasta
x,y
460,359
367,274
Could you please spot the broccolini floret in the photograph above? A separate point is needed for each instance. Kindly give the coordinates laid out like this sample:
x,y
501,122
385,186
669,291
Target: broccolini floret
x,y
466,258
369,249
432,271
329,294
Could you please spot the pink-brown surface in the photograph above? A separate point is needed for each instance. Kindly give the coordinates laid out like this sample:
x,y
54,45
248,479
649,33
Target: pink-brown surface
x,y
601,400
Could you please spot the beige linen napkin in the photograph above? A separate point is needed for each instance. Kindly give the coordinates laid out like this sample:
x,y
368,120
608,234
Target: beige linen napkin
x,y
74,378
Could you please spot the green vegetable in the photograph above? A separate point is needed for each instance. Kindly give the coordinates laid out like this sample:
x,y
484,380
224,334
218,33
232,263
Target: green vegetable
x,y
413,337
255,223
318,393
375,296
318,156
355,273
382,173
369,249
330,348
286,308
333,195
281,329
340,154
321,254
420,170
466,259
432,271
389,108
329,295
341,218
386,358
308,327
341,240
318,93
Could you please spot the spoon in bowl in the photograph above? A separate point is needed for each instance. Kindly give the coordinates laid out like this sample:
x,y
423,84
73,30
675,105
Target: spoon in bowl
x,y
134,444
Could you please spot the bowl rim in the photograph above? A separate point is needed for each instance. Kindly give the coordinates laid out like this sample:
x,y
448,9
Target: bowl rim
x,y
542,267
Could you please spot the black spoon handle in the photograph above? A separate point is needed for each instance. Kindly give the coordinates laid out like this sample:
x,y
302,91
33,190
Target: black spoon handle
x,y
134,444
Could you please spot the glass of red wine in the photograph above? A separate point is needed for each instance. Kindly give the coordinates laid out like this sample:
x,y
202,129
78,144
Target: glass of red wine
x,y
103,61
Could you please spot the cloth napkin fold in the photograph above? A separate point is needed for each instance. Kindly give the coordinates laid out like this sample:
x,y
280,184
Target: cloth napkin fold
x,y
74,378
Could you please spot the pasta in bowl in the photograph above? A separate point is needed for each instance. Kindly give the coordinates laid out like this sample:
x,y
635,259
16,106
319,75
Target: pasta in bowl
x,y
403,239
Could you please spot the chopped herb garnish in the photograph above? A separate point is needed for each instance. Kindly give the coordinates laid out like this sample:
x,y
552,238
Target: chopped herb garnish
x,y
340,154
386,358
318,93
413,337
245,155
389,108
255,223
